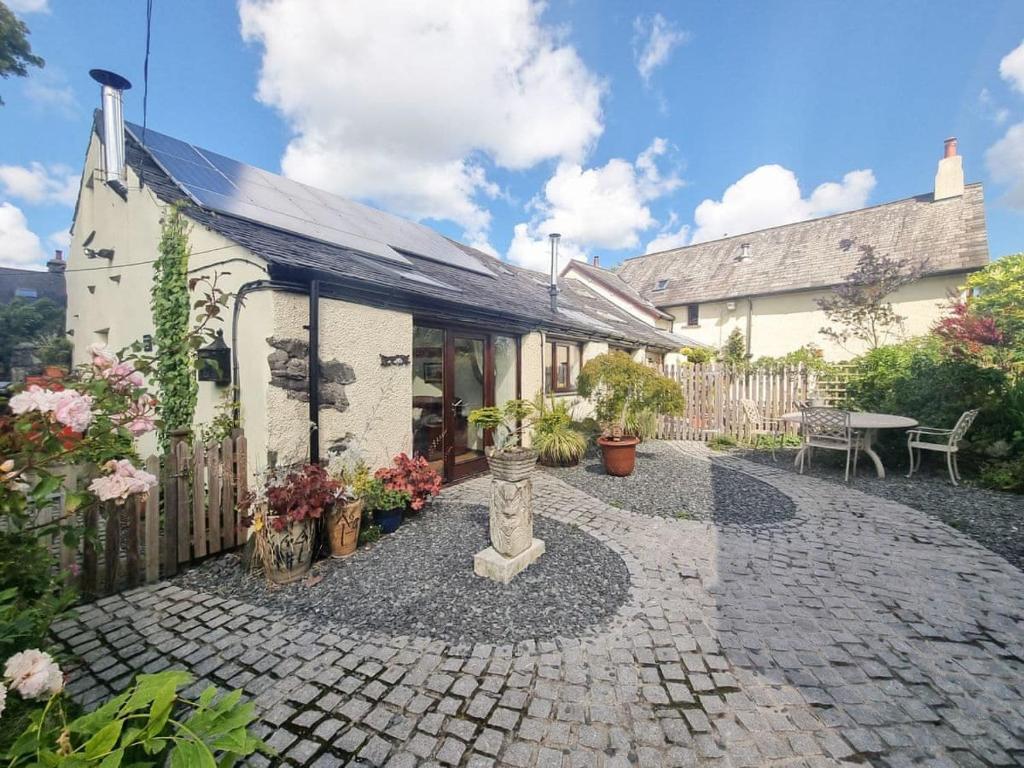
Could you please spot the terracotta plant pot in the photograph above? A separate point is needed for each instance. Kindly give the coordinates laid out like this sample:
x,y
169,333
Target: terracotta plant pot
x,y
289,551
618,456
343,527
54,372
513,465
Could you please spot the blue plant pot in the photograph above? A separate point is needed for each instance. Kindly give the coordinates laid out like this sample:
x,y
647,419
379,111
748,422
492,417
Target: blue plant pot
x,y
388,519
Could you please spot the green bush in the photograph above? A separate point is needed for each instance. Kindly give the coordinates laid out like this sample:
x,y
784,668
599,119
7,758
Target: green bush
x,y
560,447
621,386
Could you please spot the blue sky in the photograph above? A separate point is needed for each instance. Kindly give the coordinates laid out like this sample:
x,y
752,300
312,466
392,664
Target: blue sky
x,y
627,126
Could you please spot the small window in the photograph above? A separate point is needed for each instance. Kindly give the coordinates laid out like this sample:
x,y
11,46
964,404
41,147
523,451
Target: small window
x,y
661,285
26,293
693,314
564,366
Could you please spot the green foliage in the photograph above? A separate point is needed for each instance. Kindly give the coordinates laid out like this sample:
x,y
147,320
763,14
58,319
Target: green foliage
x,y
698,355
24,319
15,50
734,351
223,422
554,438
721,443
999,294
172,338
379,498
621,386
369,534
148,724
505,423
810,356
54,349
642,424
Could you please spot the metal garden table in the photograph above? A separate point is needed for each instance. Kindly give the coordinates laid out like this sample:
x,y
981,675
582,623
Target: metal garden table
x,y
867,425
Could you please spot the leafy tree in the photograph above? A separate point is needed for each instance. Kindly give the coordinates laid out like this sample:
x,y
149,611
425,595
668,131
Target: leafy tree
x,y
26,319
810,356
622,387
698,355
735,350
999,295
859,309
15,51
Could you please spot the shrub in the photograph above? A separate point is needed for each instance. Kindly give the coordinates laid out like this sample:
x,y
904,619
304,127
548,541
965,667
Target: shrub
x,y
560,446
412,476
698,355
303,494
621,386
642,424
505,424
379,498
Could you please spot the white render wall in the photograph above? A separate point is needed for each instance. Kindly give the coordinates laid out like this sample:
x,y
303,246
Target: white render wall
x,y
379,416
785,322
113,295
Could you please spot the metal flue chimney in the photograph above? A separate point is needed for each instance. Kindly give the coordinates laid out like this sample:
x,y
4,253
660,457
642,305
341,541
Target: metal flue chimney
x,y
112,85
553,286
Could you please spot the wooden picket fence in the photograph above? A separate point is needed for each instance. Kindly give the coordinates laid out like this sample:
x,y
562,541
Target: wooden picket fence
x,y
714,393
190,514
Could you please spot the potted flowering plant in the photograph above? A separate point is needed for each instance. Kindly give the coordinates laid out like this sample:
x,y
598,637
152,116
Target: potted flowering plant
x,y
622,389
507,457
282,515
413,476
342,522
385,504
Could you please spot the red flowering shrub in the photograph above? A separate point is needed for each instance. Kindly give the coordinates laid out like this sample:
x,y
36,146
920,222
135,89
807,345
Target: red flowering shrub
x,y
966,333
412,476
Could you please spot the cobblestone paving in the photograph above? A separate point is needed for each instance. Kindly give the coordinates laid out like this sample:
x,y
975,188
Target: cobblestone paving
x,y
859,631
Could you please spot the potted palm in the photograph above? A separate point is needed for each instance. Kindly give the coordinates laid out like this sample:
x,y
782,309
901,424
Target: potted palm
x,y
507,457
283,514
622,389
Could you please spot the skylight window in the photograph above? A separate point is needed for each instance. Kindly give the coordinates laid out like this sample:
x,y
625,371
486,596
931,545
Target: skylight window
x,y
661,284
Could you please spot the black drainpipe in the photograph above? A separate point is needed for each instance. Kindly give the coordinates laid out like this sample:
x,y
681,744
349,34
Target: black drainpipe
x,y
314,371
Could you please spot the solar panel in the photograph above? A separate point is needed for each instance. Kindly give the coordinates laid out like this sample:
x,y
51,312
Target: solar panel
x,y
228,186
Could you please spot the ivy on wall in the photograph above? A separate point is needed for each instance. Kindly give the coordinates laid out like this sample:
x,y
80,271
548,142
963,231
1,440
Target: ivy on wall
x,y
171,306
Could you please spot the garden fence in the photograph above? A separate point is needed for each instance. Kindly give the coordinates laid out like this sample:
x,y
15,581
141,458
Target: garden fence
x,y
714,393
191,513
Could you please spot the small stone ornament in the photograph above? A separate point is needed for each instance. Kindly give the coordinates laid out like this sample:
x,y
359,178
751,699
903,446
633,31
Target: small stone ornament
x,y
513,547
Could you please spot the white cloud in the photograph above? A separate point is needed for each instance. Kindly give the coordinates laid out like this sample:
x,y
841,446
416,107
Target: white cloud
x,y
603,207
533,251
19,246
654,38
60,239
1011,68
1005,160
403,104
50,91
40,184
670,236
770,195
988,106
29,6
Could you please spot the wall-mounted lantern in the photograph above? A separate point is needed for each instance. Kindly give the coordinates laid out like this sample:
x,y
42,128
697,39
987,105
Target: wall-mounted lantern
x,y
214,361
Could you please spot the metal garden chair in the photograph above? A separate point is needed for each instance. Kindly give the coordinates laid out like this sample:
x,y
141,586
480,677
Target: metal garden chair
x,y
828,428
945,441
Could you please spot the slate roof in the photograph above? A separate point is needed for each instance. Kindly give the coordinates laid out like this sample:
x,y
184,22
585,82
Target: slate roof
x,y
509,296
613,281
47,285
947,236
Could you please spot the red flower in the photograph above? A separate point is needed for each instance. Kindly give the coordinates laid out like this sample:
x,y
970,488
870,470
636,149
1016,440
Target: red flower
x,y
413,476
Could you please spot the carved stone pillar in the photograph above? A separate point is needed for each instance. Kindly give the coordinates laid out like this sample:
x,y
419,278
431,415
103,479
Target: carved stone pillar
x,y
513,547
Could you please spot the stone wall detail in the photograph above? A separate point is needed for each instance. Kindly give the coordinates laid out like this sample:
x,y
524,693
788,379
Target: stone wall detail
x,y
289,370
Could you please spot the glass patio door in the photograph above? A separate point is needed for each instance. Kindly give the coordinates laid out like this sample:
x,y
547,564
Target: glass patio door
x,y
469,390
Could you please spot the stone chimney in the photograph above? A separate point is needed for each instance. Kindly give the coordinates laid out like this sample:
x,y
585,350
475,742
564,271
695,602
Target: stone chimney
x,y
949,179
597,260
57,263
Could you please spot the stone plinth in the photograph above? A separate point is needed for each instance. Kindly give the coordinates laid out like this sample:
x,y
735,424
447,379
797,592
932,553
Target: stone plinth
x,y
513,547
492,565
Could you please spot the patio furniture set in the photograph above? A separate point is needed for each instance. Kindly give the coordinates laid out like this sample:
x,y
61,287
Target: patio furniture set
x,y
856,432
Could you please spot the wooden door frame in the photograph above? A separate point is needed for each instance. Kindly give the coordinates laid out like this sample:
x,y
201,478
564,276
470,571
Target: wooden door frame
x,y
451,471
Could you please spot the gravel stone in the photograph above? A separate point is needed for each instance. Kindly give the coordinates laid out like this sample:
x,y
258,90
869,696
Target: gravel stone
x,y
668,484
420,581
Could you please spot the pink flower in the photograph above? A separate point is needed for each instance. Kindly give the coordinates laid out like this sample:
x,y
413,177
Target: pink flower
x,y
34,674
122,376
73,409
140,417
35,398
123,480
102,357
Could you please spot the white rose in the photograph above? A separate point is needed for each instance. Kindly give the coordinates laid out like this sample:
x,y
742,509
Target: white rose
x,y
34,674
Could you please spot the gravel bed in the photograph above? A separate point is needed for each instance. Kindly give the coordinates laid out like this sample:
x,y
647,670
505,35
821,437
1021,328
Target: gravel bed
x,y
667,483
992,518
419,581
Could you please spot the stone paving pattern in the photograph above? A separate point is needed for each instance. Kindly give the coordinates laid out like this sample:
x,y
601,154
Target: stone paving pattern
x,y
858,631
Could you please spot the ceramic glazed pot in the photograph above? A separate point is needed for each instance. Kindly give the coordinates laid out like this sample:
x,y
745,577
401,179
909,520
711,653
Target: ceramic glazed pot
x,y
618,456
343,527
388,519
289,551
511,466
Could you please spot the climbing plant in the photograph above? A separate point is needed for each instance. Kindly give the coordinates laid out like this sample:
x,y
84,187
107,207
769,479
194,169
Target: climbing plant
x,y
170,303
